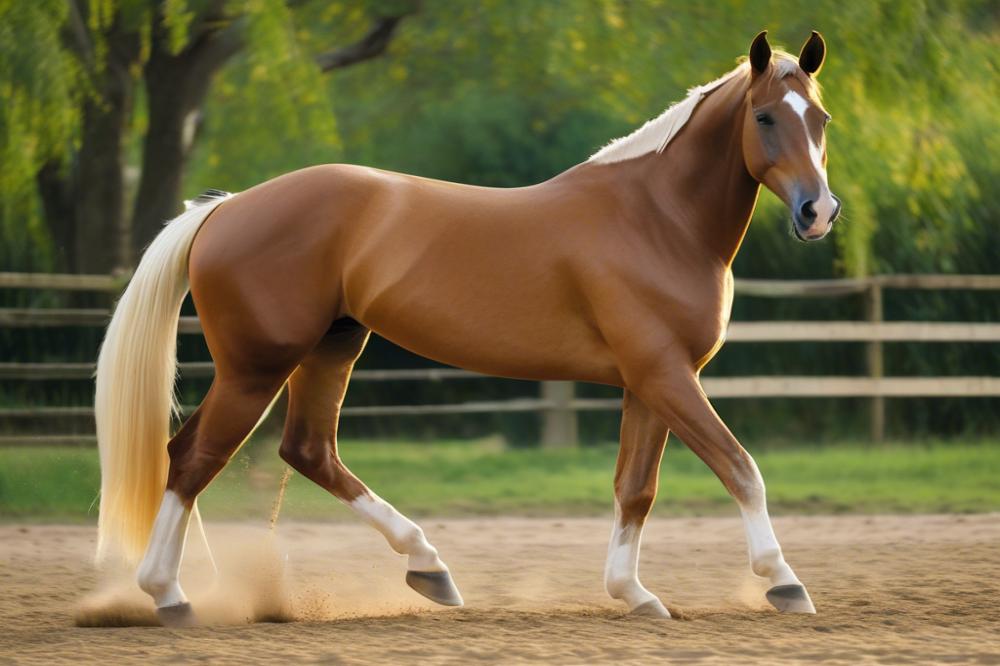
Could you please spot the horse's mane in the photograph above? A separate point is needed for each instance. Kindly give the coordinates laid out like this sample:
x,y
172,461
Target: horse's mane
x,y
657,133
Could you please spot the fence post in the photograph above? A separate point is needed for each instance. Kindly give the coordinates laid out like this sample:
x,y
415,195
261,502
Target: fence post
x,y
873,298
559,420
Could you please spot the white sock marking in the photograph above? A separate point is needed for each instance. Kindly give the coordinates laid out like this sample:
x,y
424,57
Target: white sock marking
x,y
621,572
766,559
160,569
404,536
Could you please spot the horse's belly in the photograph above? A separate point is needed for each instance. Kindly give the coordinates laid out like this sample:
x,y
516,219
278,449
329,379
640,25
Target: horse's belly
x,y
503,333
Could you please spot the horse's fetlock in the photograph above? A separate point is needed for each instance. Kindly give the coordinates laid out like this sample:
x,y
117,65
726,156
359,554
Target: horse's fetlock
x,y
415,539
154,583
768,563
616,585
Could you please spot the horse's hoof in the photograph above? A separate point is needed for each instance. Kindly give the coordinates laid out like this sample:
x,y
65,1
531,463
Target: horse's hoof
x,y
436,586
652,608
177,616
791,599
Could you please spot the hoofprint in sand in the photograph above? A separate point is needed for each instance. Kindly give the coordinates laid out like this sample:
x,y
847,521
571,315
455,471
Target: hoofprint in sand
x,y
914,589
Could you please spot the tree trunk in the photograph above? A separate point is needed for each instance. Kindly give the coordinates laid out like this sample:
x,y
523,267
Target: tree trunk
x,y
83,199
176,86
55,188
100,190
164,153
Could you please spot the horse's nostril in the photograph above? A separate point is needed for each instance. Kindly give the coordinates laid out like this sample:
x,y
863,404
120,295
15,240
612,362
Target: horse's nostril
x,y
807,211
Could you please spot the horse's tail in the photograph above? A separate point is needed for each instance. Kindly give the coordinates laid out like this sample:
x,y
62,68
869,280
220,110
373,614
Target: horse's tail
x,y
135,398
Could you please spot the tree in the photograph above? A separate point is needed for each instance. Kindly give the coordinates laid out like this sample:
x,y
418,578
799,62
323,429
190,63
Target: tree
x,y
105,56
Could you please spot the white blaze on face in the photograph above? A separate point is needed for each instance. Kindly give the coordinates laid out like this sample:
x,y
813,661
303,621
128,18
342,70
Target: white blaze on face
x,y
824,205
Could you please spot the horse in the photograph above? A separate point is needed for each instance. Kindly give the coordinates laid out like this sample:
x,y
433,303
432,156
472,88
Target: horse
x,y
616,271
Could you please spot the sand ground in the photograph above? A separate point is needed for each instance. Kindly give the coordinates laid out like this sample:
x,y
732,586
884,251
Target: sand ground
x,y
889,590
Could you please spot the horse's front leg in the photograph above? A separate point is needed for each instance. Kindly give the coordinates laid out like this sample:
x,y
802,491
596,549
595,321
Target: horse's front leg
x,y
643,436
678,399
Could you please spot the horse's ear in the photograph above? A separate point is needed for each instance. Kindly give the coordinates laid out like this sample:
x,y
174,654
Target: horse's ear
x,y
813,53
760,53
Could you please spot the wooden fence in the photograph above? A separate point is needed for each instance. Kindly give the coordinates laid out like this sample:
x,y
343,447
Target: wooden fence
x,y
557,402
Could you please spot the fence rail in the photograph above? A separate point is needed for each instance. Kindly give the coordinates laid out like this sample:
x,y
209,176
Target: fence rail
x,y
750,287
557,402
739,331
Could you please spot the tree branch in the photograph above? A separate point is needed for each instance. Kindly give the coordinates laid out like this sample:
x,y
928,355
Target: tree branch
x,y
219,38
214,39
370,46
76,27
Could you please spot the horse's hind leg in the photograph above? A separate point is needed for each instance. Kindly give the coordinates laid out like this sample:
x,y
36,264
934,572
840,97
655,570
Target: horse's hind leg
x,y
316,390
643,436
200,449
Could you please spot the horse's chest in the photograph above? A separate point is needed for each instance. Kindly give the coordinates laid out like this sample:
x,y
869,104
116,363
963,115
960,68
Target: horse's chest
x,y
708,320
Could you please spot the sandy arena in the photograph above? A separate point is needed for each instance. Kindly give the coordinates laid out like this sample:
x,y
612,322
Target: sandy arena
x,y
889,590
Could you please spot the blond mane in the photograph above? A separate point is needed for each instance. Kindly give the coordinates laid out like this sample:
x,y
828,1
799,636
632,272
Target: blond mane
x,y
655,134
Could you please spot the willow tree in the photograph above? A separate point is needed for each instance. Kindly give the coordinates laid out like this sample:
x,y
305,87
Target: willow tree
x,y
92,87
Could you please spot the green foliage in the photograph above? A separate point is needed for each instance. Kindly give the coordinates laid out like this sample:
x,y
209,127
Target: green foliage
x,y
38,116
289,121
177,18
510,92
38,112
528,88
906,100
481,92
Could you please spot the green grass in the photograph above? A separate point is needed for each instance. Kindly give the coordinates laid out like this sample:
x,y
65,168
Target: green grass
x,y
477,478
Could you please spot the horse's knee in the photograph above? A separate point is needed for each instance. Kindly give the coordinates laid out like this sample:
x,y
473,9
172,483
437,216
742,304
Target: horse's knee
x,y
635,503
317,461
304,455
192,466
289,452
748,487
193,469
182,442
738,472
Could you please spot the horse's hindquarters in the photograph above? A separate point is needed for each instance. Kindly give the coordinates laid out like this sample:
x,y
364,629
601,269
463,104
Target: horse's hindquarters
x,y
262,274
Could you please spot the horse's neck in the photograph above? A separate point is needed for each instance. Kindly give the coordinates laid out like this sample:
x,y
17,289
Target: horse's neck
x,y
700,181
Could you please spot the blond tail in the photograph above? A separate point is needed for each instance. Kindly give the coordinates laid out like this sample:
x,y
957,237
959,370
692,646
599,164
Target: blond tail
x,y
135,398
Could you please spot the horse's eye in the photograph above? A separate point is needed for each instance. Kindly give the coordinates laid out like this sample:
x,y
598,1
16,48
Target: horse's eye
x,y
764,119
826,120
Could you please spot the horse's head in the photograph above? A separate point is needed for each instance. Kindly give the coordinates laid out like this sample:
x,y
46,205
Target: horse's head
x,y
784,142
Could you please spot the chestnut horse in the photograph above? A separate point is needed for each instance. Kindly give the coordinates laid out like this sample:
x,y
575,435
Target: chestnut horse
x,y
616,271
